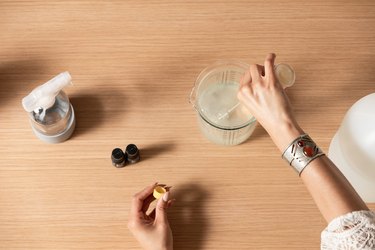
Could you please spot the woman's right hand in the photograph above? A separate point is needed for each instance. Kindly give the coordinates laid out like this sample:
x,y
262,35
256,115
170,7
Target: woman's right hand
x,y
264,96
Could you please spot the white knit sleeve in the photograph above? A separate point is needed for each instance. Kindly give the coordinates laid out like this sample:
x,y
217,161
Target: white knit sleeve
x,y
355,230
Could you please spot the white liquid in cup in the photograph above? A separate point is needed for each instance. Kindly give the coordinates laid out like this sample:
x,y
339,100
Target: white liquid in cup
x,y
232,129
214,103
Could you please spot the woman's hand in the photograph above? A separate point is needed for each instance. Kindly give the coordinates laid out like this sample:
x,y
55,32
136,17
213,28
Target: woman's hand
x,y
264,96
151,230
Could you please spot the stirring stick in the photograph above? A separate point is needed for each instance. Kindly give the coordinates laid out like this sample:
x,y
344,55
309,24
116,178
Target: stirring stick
x,y
229,111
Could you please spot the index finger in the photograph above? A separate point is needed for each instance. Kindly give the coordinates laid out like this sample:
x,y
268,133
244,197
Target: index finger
x,y
269,63
139,198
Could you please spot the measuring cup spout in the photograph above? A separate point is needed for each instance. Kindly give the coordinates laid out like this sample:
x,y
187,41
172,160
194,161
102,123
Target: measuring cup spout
x,y
192,98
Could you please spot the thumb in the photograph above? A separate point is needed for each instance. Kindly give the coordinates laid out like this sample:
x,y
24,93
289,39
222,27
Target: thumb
x,y
161,209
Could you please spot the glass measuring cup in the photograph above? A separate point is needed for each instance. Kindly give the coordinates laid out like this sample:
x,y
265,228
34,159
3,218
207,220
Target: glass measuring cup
x,y
221,117
214,93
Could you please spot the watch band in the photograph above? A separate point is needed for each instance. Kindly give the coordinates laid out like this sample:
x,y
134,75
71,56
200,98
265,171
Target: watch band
x,y
301,152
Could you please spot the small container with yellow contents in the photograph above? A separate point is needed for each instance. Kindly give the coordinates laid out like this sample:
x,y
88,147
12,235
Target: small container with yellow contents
x,y
159,191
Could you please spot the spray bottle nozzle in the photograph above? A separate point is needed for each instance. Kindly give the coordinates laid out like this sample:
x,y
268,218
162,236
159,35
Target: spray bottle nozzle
x,y
44,95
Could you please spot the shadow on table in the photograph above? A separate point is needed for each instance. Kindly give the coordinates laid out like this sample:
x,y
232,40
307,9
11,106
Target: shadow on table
x,y
259,132
153,151
16,77
88,110
187,217
92,110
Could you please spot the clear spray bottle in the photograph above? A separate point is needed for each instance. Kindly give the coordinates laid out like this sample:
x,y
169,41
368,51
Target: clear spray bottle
x,y
51,114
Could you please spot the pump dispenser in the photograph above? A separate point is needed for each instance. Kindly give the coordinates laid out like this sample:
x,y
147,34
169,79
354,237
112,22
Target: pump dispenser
x,y
51,114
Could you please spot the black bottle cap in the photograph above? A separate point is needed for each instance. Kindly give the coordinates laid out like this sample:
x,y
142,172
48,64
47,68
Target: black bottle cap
x,y
132,154
132,150
117,156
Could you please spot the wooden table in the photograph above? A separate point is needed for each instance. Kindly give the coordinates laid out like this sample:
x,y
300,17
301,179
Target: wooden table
x,y
133,65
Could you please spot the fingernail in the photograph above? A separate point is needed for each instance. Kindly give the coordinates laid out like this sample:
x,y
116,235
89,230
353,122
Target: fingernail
x,y
166,196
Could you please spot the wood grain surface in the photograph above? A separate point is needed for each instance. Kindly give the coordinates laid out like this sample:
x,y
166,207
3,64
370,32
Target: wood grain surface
x,y
133,65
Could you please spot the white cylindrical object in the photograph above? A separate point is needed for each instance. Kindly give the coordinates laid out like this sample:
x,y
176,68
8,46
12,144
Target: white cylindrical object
x,y
352,148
